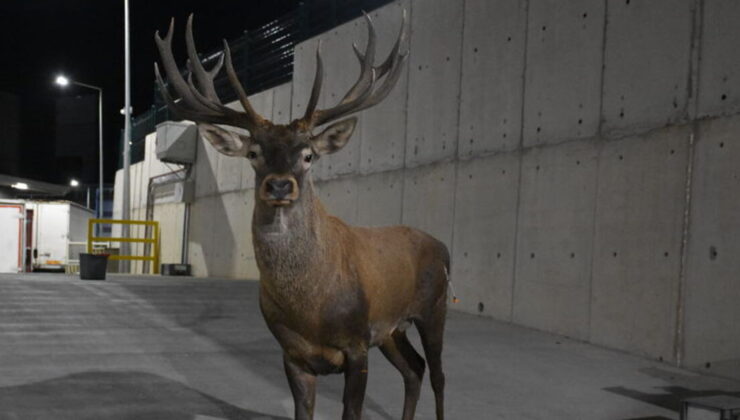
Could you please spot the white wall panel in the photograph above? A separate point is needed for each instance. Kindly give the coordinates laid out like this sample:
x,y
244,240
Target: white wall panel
x,y
554,238
492,76
646,64
637,244
486,194
434,81
563,70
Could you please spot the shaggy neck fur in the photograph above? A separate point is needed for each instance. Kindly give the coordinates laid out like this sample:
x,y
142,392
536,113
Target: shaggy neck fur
x,y
287,241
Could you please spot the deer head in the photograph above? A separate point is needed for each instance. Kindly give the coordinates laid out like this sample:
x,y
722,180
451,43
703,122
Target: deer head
x,y
281,155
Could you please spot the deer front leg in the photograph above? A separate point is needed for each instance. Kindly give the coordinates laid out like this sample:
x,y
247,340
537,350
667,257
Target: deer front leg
x,y
355,382
303,388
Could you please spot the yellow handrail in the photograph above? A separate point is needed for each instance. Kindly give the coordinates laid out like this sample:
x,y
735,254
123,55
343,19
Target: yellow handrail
x,y
154,258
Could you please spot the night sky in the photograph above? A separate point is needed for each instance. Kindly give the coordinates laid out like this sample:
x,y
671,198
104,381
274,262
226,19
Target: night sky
x,y
84,40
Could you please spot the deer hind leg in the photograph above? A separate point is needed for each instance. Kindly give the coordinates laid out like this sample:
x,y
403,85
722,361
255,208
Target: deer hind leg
x,y
431,330
399,351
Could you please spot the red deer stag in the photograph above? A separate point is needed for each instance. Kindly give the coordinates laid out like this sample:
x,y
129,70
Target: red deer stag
x,y
328,291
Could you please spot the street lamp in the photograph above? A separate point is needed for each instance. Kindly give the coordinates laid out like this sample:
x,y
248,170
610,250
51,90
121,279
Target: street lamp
x,y
63,81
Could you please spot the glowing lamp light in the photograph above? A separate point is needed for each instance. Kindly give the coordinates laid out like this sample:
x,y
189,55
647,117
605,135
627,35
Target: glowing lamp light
x,y
62,81
74,183
20,186
717,407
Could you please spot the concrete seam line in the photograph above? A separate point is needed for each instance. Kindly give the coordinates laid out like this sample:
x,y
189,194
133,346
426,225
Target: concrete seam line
x,y
406,111
599,149
520,151
455,157
692,109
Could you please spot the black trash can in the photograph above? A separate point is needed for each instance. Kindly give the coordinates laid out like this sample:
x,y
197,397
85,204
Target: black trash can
x,y
93,267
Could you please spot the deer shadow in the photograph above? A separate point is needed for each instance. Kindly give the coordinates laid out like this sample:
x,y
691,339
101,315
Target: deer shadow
x,y
118,396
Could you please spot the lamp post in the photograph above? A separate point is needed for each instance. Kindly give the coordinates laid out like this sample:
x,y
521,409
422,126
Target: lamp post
x,y
63,82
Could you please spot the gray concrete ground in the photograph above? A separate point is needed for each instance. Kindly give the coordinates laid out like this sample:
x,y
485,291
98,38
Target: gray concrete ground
x,y
170,348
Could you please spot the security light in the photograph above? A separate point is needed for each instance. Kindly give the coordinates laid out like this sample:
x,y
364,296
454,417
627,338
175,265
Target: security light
x,y
20,186
62,81
74,183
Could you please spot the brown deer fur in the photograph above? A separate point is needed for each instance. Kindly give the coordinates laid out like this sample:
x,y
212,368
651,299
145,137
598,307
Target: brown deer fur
x,y
328,291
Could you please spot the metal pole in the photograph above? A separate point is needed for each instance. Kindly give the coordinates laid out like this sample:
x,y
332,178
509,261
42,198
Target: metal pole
x,y
100,147
126,137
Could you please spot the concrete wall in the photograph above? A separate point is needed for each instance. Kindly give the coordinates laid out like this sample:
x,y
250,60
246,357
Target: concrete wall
x,y
579,159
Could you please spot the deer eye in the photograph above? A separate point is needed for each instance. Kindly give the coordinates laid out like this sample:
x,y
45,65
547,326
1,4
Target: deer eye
x,y
308,158
251,155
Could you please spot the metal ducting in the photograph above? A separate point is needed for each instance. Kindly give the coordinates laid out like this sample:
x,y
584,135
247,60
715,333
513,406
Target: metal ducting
x,y
176,142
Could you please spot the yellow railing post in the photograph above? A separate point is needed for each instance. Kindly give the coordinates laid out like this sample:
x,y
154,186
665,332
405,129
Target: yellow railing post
x,y
154,240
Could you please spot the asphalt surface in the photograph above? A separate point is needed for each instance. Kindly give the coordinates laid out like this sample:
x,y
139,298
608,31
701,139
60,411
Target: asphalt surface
x,y
183,348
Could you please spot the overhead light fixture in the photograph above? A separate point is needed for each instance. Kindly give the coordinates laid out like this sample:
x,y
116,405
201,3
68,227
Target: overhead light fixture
x,y
74,183
20,186
62,81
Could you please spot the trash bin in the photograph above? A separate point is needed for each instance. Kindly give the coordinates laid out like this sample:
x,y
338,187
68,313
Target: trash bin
x,y
93,267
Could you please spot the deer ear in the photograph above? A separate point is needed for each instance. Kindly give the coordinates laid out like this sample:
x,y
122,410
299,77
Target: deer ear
x,y
334,137
226,142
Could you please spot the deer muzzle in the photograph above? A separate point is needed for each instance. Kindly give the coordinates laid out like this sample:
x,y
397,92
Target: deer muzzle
x,y
279,190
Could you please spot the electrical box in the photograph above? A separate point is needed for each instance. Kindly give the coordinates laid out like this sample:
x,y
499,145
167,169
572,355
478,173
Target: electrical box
x,y
176,142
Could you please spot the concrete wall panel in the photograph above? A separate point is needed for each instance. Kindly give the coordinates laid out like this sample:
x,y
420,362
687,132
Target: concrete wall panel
x,y
563,74
434,81
201,240
304,69
554,243
220,234
492,70
712,330
339,197
170,218
383,127
206,169
429,198
230,173
719,70
485,234
281,103
637,242
380,199
646,86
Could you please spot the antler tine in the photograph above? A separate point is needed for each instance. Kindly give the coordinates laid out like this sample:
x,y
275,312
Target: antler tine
x,y
364,93
383,68
237,86
205,80
317,81
363,82
170,67
323,116
209,116
201,103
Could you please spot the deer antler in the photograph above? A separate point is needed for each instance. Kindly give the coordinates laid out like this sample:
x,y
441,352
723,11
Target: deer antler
x,y
201,103
363,94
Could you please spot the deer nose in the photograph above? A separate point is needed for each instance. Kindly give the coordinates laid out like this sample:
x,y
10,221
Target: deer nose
x,y
279,188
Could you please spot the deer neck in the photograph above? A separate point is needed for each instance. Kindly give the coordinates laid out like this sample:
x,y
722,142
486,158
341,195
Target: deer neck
x,y
289,241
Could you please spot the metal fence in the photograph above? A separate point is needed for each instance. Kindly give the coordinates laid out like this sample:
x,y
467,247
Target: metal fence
x,y
263,58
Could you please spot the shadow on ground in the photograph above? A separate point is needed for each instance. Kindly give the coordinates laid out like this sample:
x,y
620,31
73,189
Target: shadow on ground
x,y
671,396
228,314
118,396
